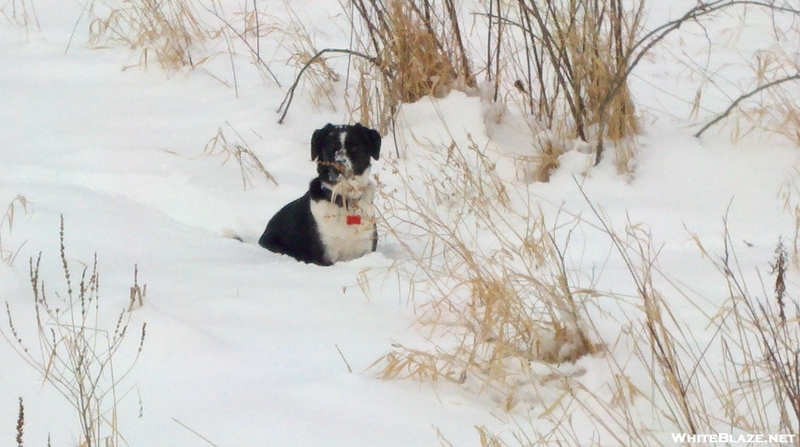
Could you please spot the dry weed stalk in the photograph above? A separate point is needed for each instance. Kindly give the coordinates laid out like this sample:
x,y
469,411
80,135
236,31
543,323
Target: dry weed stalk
x,y
762,349
249,163
20,423
496,310
167,30
195,432
7,222
76,354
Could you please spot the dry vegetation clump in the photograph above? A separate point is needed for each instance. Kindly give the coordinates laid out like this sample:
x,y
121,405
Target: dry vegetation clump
x,y
504,317
491,312
400,52
569,61
168,32
76,352
580,62
418,44
419,51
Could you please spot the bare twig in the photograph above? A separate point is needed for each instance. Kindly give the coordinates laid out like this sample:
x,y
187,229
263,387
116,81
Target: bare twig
x,y
194,432
734,104
287,100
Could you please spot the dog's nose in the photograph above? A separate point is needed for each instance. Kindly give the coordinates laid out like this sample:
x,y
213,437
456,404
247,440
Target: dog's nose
x,y
343,160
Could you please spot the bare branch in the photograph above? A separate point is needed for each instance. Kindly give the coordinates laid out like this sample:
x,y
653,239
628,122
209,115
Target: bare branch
x,y
734,104
287,100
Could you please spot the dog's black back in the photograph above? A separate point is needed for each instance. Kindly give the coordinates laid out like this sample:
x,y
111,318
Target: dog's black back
x,y
289,230
295,230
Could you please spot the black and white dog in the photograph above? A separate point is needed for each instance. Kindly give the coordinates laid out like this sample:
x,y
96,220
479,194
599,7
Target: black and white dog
x,y
335,220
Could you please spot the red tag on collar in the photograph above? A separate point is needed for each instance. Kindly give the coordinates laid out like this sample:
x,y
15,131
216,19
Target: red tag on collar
x,y
353,220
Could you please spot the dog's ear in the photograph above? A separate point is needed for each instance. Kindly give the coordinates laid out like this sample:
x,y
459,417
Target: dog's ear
x,y
318,140
373,139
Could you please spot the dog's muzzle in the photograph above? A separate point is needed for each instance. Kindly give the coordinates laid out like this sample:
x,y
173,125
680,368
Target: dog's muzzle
x,y
342,168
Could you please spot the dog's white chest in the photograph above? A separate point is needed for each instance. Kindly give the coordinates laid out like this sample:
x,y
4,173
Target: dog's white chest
x,y
346,234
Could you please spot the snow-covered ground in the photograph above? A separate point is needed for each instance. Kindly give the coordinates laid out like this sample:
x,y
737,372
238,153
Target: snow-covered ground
x,y
248,348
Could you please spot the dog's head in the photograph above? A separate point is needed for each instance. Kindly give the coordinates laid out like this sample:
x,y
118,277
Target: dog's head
x,y
343,153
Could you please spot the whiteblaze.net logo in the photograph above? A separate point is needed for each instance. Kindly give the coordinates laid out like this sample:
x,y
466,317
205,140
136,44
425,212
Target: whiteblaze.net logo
x,y
687,438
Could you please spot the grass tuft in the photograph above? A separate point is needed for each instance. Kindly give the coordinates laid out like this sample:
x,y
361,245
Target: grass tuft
x,y
167,32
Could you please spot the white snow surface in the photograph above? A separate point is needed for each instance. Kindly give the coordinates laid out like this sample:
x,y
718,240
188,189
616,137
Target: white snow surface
x,y
242,345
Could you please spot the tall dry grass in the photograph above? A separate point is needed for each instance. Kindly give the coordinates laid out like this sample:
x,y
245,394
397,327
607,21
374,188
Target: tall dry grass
x,y
567,62
497,293
506,311
741,380
419,44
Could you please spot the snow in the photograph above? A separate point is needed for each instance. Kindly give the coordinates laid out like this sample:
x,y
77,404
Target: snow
x,y
249,348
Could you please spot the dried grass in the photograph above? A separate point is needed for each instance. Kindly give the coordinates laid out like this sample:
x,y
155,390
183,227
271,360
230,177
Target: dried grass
x,y
21,13
7,223
754,390
20,424
419,52
250,165
167,31
249,26
490,312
